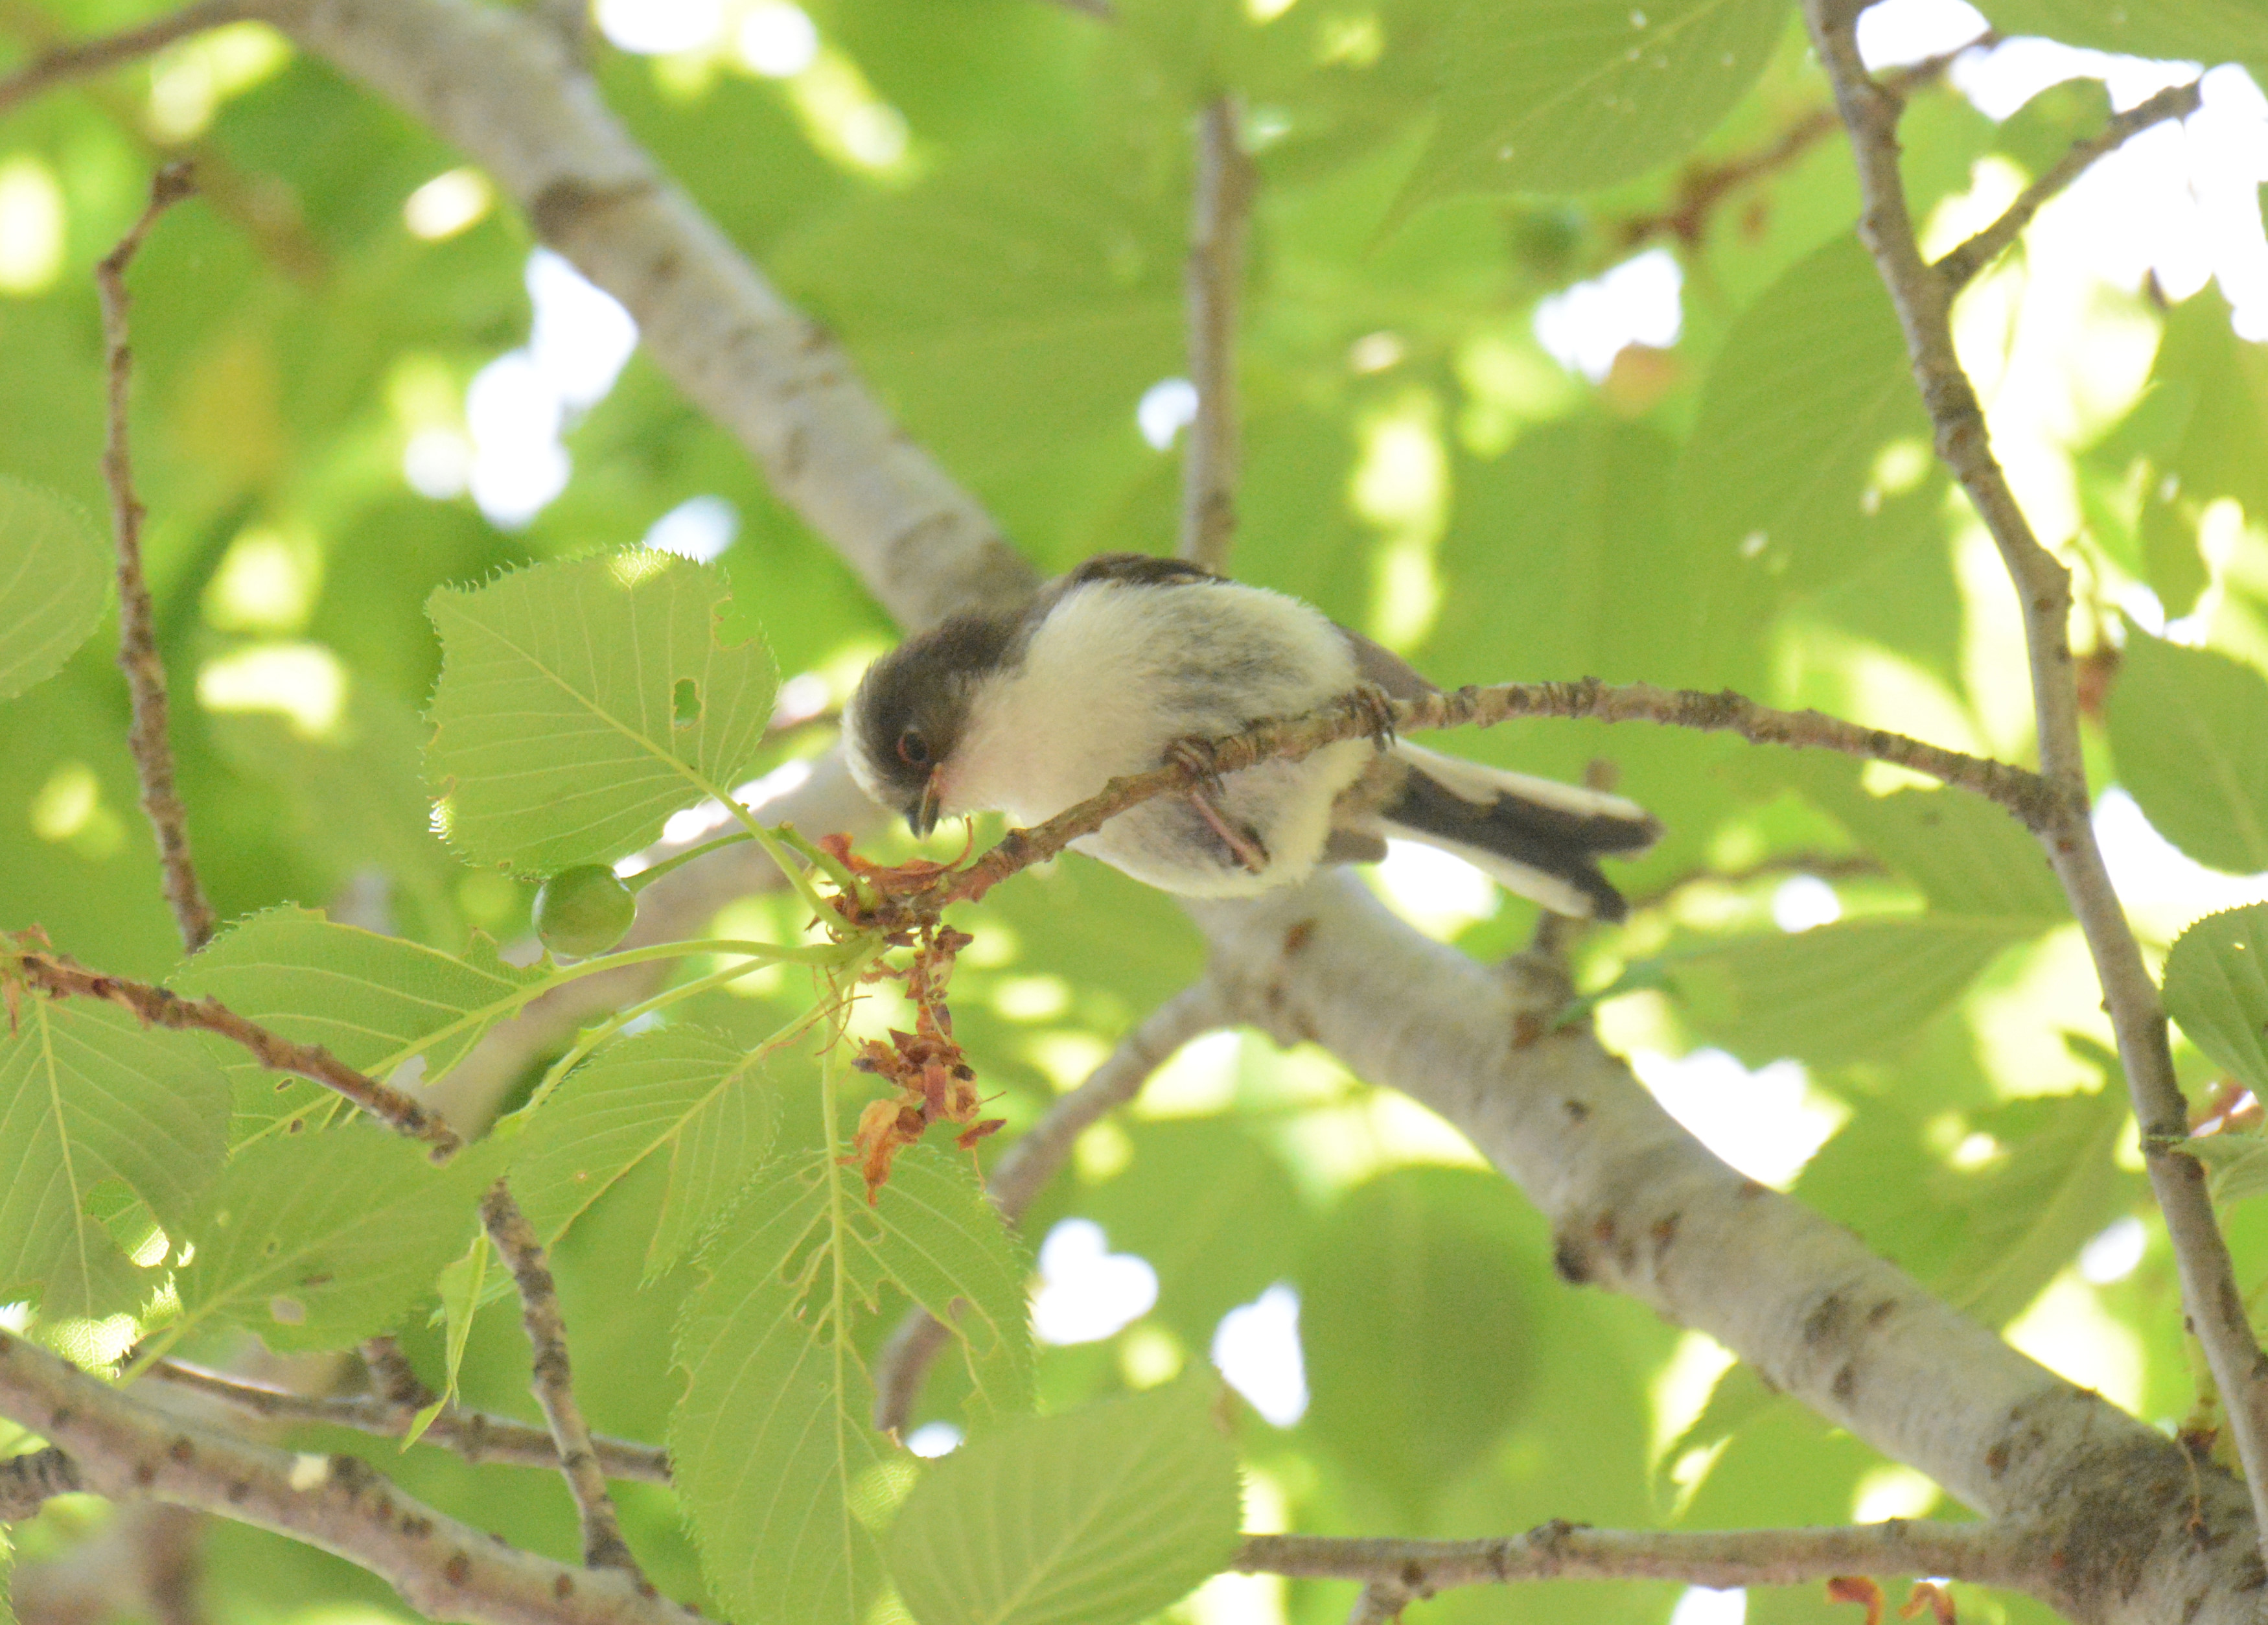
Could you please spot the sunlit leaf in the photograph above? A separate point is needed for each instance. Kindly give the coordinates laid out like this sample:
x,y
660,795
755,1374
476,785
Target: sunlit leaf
x,y
1810,459
2190,730
55,580
2209,31
774,1447
317,1241
1845,992
700,1103
582,703
371,1000
1967,854
88,1100
1566,95
1099,1515
2217,990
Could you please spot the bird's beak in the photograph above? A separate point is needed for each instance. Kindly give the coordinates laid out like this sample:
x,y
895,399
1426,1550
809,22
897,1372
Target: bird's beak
x,y
925,811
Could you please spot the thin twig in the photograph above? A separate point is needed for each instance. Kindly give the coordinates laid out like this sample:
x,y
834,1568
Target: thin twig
x,y
58,978
603,1545
125,1450
479,1436
1702,186
29,1481
1219,219
1819,865
82,58
1923,297
1025,1168
1986,1554
137,639
1381,1603
1960,266
2022,792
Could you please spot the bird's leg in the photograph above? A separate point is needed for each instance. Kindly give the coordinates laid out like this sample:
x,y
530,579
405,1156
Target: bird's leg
x,y
1245,844
1374,708
1195,756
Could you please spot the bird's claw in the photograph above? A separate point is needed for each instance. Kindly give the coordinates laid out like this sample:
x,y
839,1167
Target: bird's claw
x,y
1374,708
1196,756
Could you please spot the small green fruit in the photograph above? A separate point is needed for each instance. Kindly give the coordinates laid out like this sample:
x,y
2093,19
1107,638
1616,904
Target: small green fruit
x,y
584,911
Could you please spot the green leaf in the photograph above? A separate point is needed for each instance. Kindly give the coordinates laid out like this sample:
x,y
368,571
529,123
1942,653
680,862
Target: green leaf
x,y
2217,990
92,1102
1214,1212
582,703
466,1287
700,1102
2206,31
2192,439
2190,730
1810,458
7,1572
371,1001
776,1455
1097,1516
2052,1186
317,1241
1418,1280
1568,95
2236,1163
1850,991
1966,855
54,582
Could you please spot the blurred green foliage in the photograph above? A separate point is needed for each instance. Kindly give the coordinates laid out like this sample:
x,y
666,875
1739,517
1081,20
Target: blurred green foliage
x,y
1751,505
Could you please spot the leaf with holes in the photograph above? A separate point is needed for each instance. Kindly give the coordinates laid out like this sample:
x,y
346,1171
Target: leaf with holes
x,y
55,580
97,1114
373,1002
581,703
1098,1515
774,1445
700,1103
2217,991
317,1241
2190,730
1568,95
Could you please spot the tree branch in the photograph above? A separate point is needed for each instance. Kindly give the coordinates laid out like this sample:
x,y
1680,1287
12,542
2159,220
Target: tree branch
x,y
1637,1206
137,640
58,978
83,58
1986,1553
1027,1166
2022,792
126,1451
553,1382
1220,217
1640,1206
1923,296
479,1436
500,84
1961,266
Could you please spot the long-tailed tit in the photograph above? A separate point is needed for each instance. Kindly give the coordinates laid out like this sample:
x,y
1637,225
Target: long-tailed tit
x,y
1107,669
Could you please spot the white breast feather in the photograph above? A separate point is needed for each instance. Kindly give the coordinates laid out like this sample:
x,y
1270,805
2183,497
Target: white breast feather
x,y
1116,674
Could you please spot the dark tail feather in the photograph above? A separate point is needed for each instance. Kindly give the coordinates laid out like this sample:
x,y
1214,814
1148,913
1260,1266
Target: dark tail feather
x,y
1539,839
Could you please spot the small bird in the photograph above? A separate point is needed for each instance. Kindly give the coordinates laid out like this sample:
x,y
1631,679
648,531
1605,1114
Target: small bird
x,y
1129,661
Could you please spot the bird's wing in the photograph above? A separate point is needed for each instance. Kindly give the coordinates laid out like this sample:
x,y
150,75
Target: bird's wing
x,y
1377,664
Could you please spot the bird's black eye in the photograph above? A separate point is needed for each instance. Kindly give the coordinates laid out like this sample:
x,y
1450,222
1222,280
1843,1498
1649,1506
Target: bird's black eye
x,y
913,749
